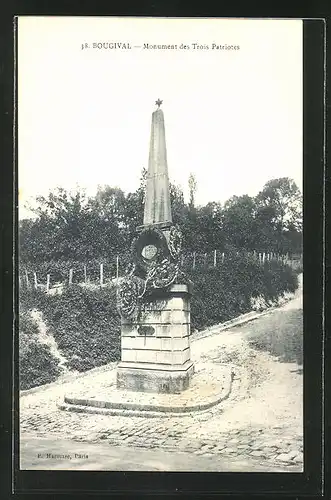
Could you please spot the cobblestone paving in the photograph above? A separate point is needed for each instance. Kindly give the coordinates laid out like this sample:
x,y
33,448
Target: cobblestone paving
x,y
198,433
261,420
176,435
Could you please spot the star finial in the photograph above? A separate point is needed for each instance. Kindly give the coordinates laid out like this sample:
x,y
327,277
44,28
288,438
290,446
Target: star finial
x,y
158,102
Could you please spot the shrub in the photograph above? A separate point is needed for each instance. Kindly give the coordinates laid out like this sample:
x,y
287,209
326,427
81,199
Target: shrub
x,y
37,366
85,324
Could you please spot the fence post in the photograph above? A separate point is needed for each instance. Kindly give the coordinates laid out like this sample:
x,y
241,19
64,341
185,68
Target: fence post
x,y
205,259
85,274
215,253
48,282
117,267
193,260
263,257
27,278
101,274
71,272
35,280
223,255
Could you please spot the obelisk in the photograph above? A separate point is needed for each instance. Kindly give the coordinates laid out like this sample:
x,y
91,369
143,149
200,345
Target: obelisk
x,y
154,302
157,201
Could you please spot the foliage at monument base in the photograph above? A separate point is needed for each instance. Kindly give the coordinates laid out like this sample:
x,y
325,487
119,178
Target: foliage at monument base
x,y
221,294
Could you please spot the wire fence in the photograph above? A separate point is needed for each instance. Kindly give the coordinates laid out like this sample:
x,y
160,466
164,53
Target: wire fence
x,y
105,273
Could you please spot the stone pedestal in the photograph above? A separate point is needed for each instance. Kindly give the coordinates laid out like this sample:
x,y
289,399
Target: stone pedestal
x,y
155,354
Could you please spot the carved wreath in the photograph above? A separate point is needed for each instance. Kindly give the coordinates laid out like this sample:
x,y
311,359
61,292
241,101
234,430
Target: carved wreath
x,y
160,271
163,275
149,236
130,289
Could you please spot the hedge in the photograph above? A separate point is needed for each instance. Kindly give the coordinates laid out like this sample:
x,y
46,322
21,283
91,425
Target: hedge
x,y
222,293
85,323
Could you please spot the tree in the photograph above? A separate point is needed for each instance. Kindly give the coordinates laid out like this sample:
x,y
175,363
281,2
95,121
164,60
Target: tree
x,y
192,184
279,214
56,231
134,209
70,226
265,237
239,222
110,202
178,207
284,198
107,216
208,233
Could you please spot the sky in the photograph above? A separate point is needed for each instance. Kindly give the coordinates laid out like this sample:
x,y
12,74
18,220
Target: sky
x,y
233,118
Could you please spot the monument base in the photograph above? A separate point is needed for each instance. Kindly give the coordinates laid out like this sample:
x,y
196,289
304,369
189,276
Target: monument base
x,y
155,344
154,378
211,384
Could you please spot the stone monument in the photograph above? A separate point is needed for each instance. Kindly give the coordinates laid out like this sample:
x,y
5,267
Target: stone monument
x,y
153,299
154,296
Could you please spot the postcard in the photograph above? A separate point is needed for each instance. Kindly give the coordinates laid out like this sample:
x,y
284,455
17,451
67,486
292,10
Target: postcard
x,y
160,165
